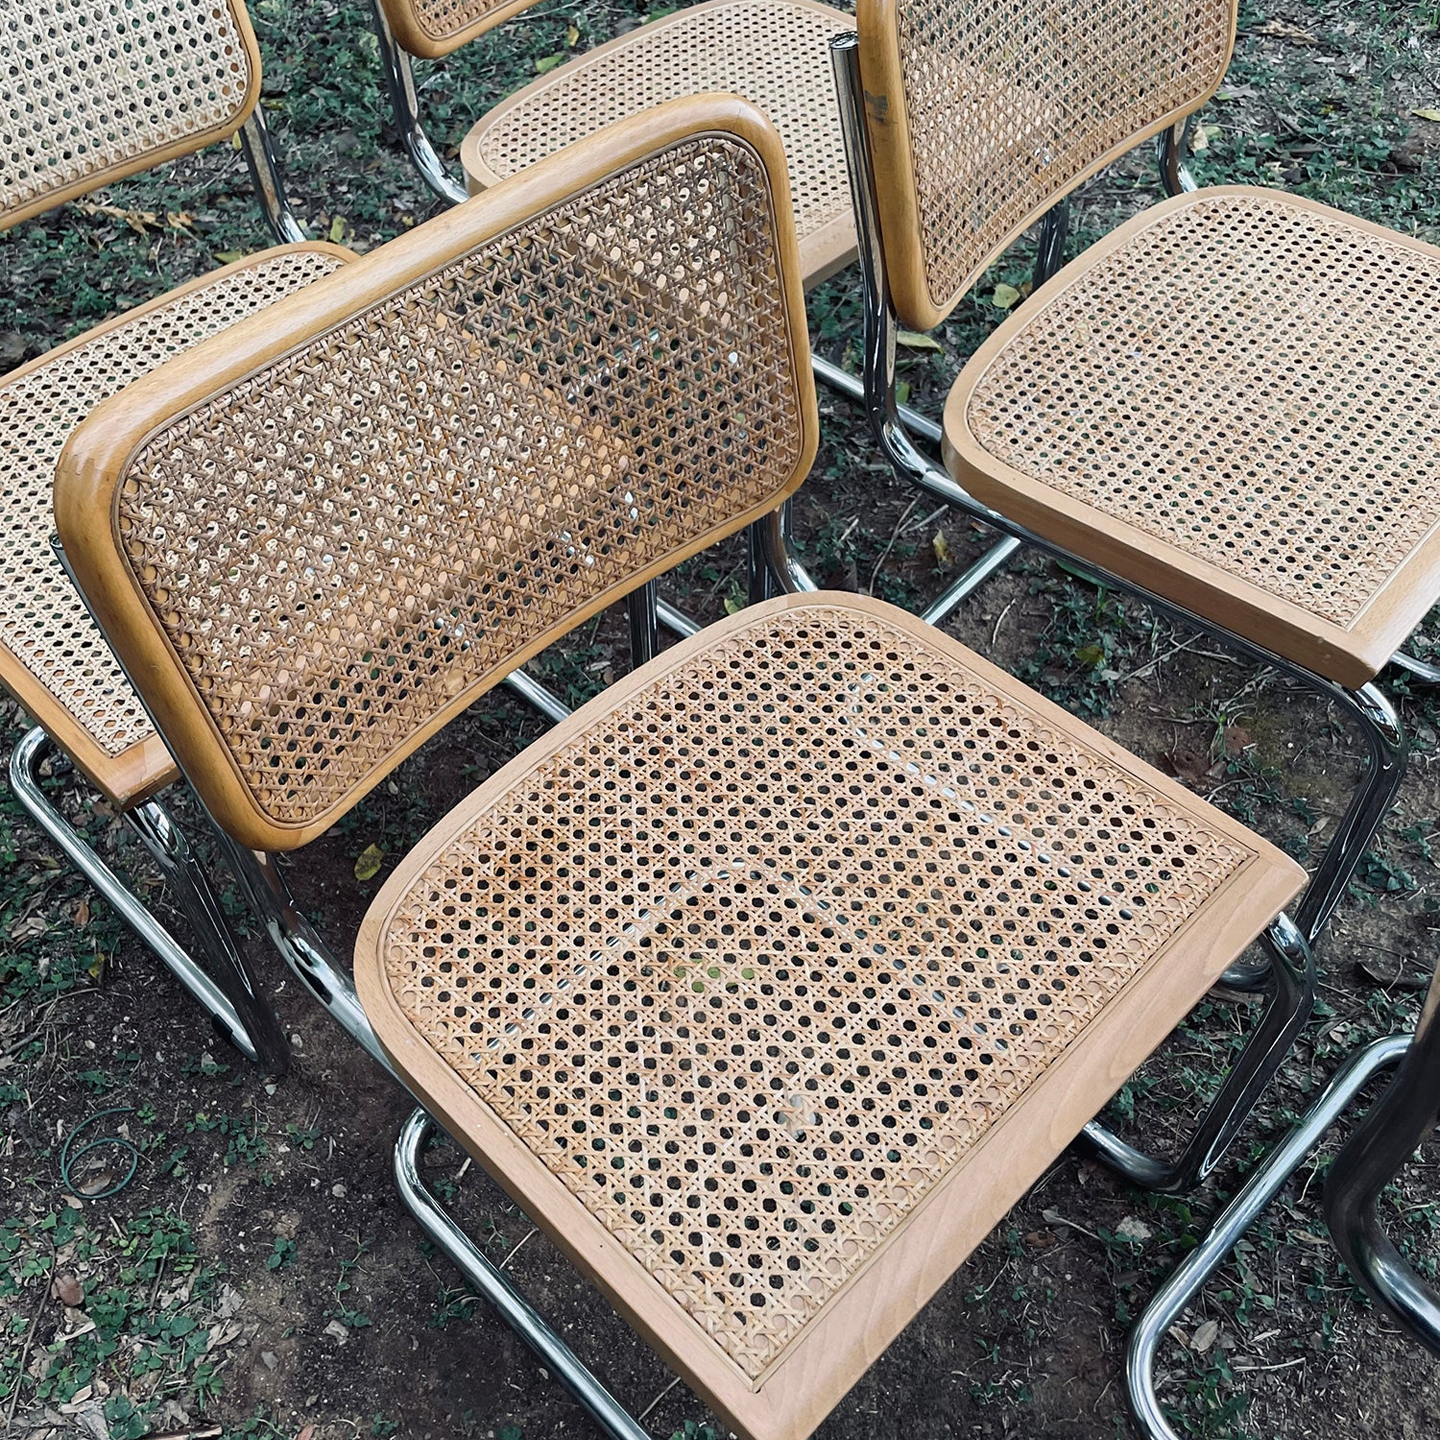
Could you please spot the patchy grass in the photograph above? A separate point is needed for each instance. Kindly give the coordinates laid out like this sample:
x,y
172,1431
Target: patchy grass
x,y
257,1276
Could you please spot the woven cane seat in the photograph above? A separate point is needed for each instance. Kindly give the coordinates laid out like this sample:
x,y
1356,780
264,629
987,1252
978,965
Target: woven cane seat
x,y
770,980
98,89
1233,400
52,656
773,52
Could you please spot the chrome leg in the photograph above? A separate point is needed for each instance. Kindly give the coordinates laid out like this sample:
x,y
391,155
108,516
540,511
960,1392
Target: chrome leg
x,y
1054,232
399,81
1287,1006
640,606
1368,806
545,700
1421,670
786,575
265,172
971,580
675,621
491,1282
1258,1191
299,943
25,782
1171,147
853,388
187,881
1385,1138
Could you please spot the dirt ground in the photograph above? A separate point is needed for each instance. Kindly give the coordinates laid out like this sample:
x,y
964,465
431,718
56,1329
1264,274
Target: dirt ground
x,y
258,1275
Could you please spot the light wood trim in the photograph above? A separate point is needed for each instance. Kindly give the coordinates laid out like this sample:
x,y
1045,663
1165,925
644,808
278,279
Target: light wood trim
x,y
858,1323
98,453
198,141
1350,655
411,35
891,153
142,769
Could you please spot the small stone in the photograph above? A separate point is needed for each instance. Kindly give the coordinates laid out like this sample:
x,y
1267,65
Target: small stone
x,y
1133,1228
338,1191
337,1332
268,1359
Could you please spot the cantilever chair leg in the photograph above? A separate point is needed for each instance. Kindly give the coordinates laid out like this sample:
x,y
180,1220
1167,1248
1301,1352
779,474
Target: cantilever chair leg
x,y
1290,986
228,994
489,1280
1392,1127
1384,1139
269,188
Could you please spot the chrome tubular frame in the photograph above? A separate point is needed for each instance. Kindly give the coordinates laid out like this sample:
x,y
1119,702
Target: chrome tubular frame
x,y
644,624
1290,996
1171,147
1395,1123
1389,1133
488,1280
265,172
399,79
1367,705
231,1001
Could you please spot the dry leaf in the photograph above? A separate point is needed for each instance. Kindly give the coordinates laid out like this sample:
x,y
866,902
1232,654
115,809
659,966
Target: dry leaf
x,y
1433,116
82,914
337,229
548,62
67,1289
1004,297
368,863
1205,1336
571,35
941,546
914,340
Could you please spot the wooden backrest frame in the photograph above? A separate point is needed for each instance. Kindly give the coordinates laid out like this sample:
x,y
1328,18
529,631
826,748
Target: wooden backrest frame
x,y
95,468
146,159
433,39
920,296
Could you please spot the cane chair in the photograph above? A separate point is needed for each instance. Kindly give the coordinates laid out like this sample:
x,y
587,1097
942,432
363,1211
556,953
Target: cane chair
x,y
769,980
1207,408
97,91
1394,1126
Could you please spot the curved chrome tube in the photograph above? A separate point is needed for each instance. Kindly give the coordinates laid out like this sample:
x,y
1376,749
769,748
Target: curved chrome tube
x,y
491,1282
399,80
1258,1191
1171,146
265,173
1389,1133
25,782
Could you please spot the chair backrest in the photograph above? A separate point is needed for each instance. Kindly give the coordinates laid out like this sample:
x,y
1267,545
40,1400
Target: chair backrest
x,y
94,90
982,114
315,539
433,28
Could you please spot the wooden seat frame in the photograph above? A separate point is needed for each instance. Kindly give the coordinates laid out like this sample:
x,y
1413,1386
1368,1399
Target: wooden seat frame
x,y
144,616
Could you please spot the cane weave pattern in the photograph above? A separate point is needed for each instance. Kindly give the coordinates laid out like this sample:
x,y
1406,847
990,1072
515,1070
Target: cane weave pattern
x,y
771,52
466,466
443,20
91,86
754,960
1244,379
43,622
1010,101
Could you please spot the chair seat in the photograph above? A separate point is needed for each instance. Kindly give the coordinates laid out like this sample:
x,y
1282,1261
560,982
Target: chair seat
x,y
770,980
52,656
1233,400
773,52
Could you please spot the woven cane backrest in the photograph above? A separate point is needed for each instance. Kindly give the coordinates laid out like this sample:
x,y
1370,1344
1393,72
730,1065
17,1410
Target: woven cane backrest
x,y
983,113
93,90
433,28
494,427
